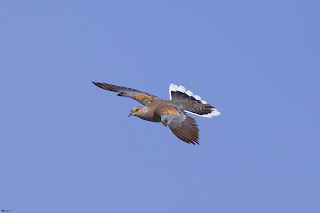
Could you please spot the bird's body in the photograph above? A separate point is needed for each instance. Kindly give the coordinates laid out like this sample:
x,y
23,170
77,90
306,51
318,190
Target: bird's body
x,y
171,113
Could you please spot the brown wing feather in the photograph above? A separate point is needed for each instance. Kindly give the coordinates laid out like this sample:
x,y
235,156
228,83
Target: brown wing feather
x,y
188,132
137,95
183,126
168,111
144,98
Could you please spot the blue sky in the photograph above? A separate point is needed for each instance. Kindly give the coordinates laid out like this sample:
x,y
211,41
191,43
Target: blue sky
x,y
68,146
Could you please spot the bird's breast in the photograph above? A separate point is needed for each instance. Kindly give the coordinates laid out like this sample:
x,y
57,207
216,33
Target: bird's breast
x,y
149,115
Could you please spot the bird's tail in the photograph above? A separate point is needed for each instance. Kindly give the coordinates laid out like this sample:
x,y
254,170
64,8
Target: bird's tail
x,y
191,103
204,110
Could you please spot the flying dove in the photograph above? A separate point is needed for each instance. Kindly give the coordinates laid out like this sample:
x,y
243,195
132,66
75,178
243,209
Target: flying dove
x,y
170,113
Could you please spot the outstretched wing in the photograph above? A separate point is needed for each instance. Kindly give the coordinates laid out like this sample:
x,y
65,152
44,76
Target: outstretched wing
x,y
137,95
183,126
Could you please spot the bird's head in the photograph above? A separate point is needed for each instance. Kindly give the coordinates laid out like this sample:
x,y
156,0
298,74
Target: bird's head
x,y
136,111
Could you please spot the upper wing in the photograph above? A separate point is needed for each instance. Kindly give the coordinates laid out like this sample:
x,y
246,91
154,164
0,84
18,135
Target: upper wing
x,y
139,96
183,126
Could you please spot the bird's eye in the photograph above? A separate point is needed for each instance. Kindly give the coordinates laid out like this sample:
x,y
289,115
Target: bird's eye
x,y
137,110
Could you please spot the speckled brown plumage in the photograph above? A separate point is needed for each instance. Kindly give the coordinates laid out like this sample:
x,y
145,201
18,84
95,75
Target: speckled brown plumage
x,y
170,113
139,96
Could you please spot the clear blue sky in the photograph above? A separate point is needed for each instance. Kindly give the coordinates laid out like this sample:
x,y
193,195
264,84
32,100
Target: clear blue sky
x,y
68,146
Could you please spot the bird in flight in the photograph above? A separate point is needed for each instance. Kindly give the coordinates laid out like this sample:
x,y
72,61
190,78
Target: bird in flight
x,y
171,113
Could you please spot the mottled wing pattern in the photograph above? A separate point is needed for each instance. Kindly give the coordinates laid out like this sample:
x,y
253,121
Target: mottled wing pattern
x,y
183,126
137,95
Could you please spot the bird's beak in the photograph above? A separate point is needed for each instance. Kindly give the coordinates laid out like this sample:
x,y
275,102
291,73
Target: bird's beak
x,y
130,114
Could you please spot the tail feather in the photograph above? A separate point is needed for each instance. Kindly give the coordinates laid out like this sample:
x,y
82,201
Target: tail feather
x,y
180,93
191,103
210,114
203,110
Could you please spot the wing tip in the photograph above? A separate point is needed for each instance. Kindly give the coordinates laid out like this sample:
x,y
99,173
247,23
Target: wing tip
x,y
98,84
